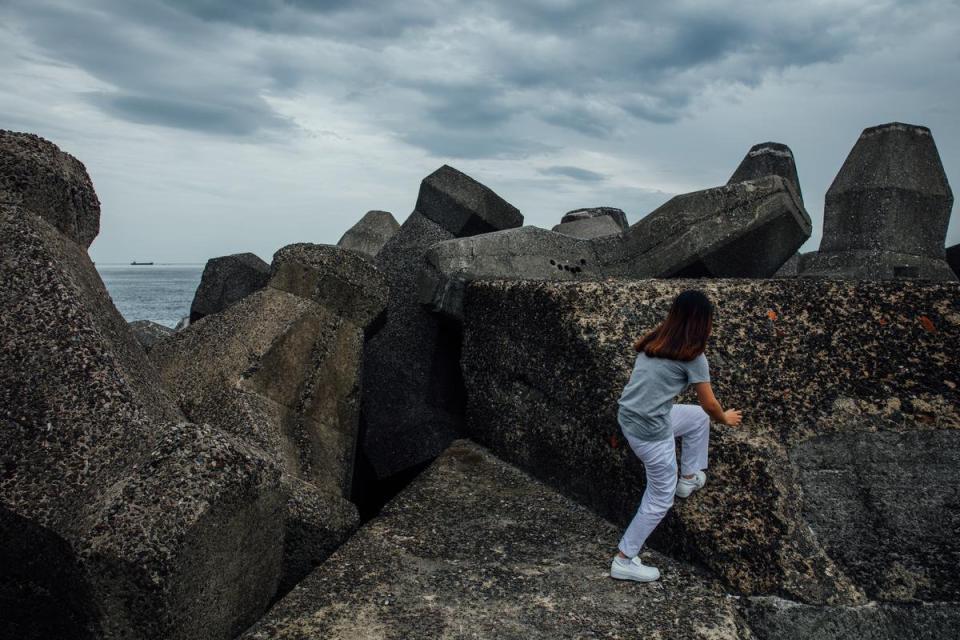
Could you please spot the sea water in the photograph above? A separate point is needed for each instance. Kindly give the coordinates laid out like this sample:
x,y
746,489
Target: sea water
x,y
161,293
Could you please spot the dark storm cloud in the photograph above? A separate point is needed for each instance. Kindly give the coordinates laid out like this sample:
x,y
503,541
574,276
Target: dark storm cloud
x,y
585,67
207,117
574,172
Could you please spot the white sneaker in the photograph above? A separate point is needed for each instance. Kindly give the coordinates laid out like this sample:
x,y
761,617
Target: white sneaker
x,y
686,486
633,570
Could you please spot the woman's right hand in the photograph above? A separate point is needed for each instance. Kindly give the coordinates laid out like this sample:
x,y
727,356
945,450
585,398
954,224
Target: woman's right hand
x,y
732,417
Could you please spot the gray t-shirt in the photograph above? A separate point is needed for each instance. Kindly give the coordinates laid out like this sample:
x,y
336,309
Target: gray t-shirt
x,y
648,397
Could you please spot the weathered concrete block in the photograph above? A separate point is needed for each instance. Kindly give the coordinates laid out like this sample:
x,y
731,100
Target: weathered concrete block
x,y
588,228
225,280
768,158
463,206
149,333
283,373
885,530
795,265
336,278
117,518
369,235
37,175
317,523
412,392
535,253
617,215
741,230
745,229
773,618
475,547
875,367
887,211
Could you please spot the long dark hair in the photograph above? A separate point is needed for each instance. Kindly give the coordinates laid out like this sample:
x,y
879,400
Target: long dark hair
x,y
683,335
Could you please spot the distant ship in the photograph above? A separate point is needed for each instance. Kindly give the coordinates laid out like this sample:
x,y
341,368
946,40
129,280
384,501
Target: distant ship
x,y
140,263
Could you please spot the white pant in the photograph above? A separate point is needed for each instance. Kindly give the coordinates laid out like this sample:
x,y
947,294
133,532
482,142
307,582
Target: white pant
x,y
692,425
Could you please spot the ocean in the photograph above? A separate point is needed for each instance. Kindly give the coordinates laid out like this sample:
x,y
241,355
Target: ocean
x,y
161,293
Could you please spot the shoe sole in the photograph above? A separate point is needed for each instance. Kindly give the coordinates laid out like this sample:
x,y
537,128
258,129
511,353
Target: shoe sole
x,y
629,576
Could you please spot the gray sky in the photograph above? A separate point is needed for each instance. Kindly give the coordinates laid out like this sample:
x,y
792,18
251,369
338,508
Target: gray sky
x,y
220,126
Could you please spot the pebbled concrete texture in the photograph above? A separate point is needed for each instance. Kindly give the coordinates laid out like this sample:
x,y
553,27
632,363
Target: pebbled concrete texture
x,y
149,333
38,176
226,280
118,518
334,277
744,229
775,619
475,548
544,364
412,393
281,369
370,233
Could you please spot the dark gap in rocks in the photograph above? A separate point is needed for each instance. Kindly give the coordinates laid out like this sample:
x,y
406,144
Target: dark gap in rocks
x,y
371,493
42,590
447,391
694,270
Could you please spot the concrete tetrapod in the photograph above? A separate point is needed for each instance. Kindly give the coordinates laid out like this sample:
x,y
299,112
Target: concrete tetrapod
x,y
887,211
38,176
768,158
226,280
412,394
839,487
369,235
118,519
475,548
745,229
281,369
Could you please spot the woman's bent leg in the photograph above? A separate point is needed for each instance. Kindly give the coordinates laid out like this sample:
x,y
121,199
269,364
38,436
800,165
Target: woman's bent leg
x,y
660,462
692,425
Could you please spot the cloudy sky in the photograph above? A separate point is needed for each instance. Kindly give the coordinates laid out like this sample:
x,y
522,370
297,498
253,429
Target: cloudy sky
x,y
218,126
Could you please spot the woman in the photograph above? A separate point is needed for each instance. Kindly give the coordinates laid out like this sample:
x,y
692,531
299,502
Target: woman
x,y
668,359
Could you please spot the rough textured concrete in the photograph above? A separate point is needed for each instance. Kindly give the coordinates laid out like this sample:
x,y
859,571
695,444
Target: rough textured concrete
x,y
37,175
334,277
225,280
617,215
544,364
528,252
776,619
745,229
883,504
463,206
282,369
768,158
887,211
474,548
795,265
117,518
369,235
412,392
149,333
588,228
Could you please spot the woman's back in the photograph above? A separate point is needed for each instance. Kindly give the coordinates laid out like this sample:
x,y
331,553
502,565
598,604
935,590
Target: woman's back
x,y
648,396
